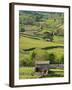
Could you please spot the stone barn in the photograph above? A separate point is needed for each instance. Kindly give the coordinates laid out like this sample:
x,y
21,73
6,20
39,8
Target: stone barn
x,y
42,66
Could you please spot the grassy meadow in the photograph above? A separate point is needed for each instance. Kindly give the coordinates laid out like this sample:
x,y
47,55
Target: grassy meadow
x,y
41,38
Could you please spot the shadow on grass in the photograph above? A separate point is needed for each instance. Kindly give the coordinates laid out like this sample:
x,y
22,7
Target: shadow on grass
x,y
52,74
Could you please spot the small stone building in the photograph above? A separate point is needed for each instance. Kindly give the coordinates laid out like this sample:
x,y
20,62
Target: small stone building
x,y
42,66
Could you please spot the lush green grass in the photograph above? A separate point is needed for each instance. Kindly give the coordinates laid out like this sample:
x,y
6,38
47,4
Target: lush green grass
x,y
58,52
29,73
56,72
26,42
27,69
59,39
30,43
32,27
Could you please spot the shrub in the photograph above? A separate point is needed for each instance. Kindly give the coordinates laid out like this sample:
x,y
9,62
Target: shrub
x,y
26,61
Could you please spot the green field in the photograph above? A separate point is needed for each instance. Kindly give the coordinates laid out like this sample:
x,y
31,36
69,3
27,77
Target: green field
x,y
26,42
41,38
29,73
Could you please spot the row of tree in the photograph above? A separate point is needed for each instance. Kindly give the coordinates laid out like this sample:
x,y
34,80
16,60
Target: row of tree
x,y
41,55
42,21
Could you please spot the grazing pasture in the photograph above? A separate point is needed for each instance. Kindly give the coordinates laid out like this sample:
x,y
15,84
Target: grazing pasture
x,y
29,73
41,38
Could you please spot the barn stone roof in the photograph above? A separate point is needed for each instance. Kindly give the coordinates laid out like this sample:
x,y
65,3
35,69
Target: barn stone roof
x,y
42,62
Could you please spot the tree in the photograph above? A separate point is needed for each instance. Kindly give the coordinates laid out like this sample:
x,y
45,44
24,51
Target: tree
x,y
62,59
22,29
33,54
52,58
41,55
48,35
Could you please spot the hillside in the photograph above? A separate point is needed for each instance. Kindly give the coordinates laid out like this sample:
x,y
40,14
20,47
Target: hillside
x,y
41,38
